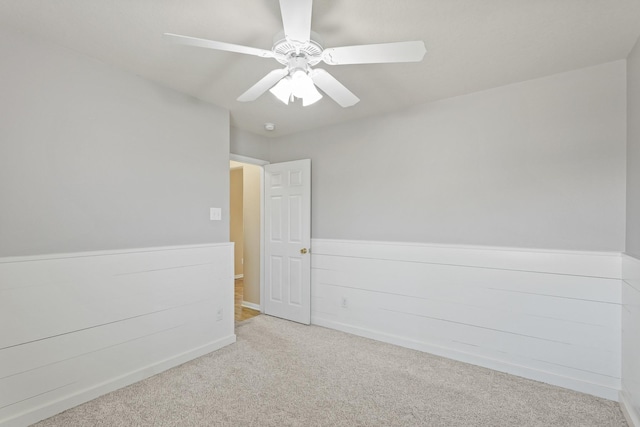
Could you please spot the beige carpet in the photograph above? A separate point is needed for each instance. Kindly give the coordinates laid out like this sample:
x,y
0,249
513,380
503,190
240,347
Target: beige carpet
x,y
284,374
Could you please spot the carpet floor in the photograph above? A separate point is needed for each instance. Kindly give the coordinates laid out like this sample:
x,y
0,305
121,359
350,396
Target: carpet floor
x,y
281,373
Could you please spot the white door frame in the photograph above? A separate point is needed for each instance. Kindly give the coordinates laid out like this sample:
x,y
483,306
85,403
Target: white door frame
x,y
261,163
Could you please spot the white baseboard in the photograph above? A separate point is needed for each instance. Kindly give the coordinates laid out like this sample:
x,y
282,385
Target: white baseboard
x,y
251,305
239,276
633,419
518,370
55,407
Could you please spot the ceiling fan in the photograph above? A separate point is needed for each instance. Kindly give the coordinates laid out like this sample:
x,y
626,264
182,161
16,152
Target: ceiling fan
x,y
299,48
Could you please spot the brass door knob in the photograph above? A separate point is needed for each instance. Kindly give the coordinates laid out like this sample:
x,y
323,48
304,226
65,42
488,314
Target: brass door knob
x,y
303,251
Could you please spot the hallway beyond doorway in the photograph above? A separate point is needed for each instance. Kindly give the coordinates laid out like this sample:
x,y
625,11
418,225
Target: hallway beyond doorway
x,y
241,313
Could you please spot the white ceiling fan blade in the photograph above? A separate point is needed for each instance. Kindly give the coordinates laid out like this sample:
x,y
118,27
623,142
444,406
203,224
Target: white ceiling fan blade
x,y
210,44
296,19
333,88
263,85
375,53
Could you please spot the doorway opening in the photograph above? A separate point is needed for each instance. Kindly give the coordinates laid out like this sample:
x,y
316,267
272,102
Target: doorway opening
x,y
245,231
272,232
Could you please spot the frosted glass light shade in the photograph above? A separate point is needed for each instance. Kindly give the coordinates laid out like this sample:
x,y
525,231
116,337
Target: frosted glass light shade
x,y
300,85
282,90
312,97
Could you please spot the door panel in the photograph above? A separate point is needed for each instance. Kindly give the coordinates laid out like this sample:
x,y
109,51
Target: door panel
x,y
288,235
276,278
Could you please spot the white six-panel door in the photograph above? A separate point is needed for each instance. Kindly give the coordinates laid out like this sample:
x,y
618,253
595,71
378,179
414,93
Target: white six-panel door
x,y
287,240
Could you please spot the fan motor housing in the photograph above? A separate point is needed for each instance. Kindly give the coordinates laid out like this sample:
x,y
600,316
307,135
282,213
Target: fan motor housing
x,y
285,49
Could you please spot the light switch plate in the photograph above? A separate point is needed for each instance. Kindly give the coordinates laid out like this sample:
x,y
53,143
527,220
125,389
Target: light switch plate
x,y
215,214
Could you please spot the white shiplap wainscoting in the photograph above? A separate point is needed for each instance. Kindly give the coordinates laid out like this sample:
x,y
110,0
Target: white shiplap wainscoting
x,y
630,393
75,326
551,316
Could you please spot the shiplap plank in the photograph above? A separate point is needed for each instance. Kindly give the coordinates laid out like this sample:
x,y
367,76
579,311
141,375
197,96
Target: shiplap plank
x,y
486,288
631,272
406,274
44,270
45,311
596,264
42,353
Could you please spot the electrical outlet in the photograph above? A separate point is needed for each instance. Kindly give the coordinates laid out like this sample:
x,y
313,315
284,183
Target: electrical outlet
x,y
220,314
345,303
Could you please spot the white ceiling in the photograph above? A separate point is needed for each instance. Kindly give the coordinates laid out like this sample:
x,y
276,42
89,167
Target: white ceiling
x,y
471,45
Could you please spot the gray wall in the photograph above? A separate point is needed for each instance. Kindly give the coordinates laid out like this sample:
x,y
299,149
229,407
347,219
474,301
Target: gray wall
x,y
249,144
633,152
538,164
94,158
251,222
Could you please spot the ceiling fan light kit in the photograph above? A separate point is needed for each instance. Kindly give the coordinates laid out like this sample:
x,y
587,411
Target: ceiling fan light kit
x,y
300,49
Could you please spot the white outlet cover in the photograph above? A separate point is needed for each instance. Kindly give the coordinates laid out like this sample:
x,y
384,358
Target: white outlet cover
x,y
215,214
